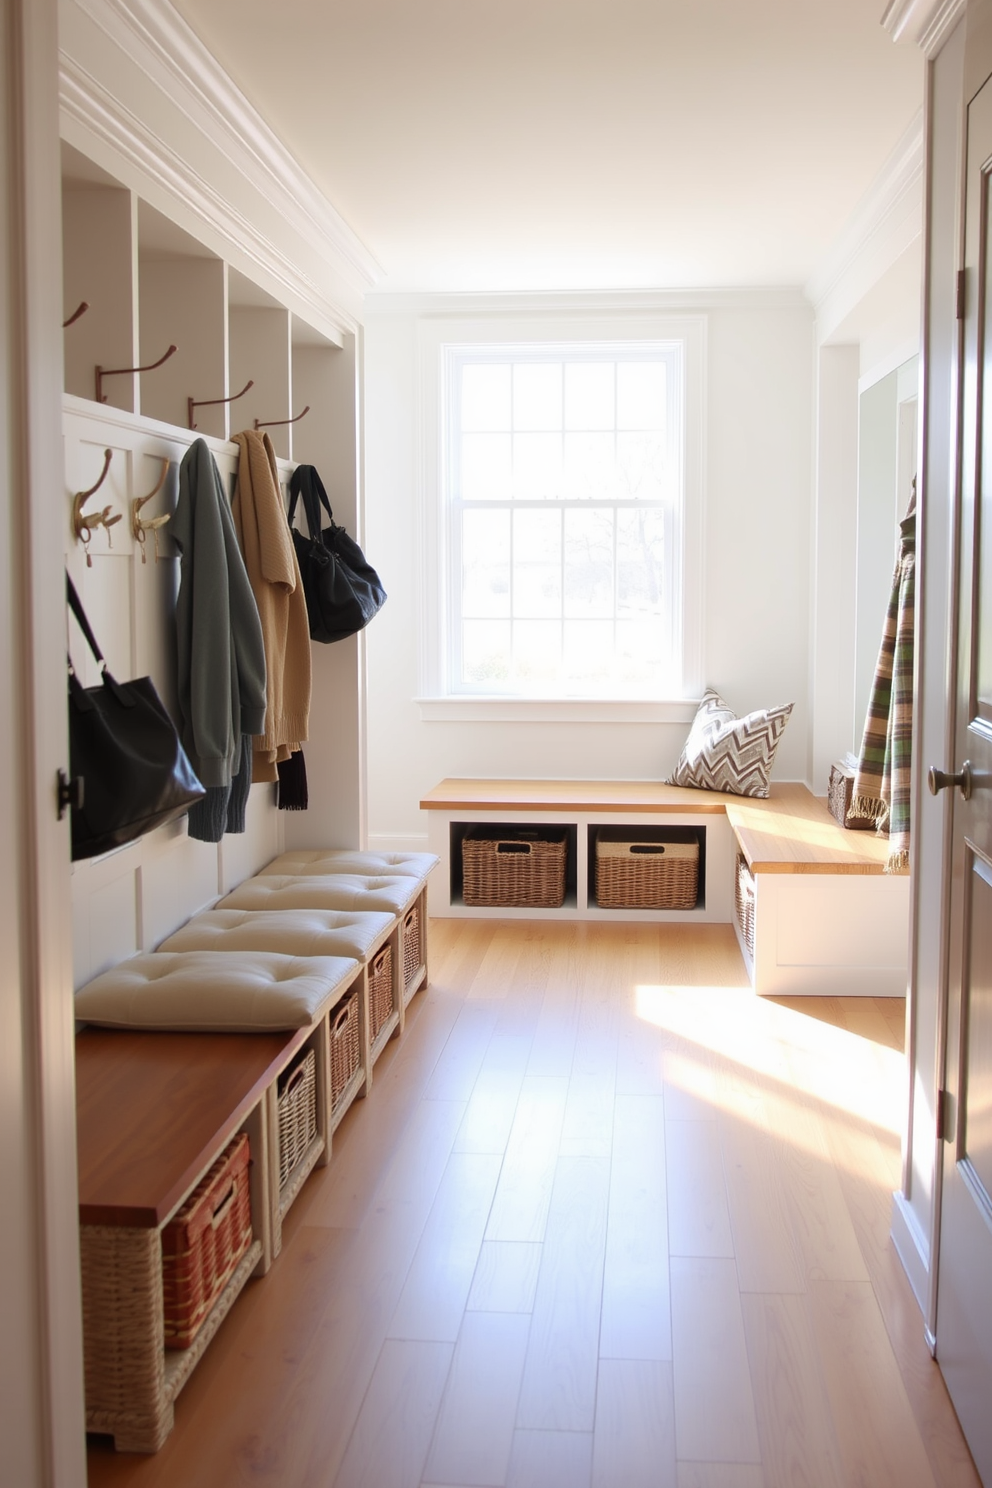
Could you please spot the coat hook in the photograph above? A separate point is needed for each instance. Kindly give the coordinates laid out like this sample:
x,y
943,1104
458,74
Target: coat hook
x,y
85,523
80,309
192,403
276,423
102,372
154,524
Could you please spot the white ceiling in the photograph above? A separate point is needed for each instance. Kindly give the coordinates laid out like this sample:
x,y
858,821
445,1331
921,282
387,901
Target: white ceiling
x,y
564,144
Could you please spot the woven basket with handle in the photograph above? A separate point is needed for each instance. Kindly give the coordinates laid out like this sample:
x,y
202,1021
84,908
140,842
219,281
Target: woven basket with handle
x,y
647,875
345,1046
380,990
296,1102
519,869
203,1243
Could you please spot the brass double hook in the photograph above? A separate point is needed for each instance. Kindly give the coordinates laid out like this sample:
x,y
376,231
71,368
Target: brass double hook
x,y
139,526
84,524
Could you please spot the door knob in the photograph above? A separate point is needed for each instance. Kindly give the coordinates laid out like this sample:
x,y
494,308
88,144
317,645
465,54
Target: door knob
x,y
939,780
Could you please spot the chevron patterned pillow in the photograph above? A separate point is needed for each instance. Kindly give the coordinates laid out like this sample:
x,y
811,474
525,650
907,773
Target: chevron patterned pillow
x,y
727,753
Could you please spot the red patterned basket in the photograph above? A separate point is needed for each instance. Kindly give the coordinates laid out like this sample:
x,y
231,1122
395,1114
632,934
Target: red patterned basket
x,y
203,1243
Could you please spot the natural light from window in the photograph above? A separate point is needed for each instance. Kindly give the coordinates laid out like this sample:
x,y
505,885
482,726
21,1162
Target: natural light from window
x,y
564,495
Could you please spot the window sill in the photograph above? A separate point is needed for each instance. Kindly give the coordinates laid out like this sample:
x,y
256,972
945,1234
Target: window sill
x,y
554,710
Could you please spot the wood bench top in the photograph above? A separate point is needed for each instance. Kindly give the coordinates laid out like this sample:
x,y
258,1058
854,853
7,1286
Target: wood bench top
x,y
791,832
572,795
154,1109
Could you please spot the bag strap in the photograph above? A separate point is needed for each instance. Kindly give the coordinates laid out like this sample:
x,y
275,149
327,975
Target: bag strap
x,y
307,483
76,689
76,606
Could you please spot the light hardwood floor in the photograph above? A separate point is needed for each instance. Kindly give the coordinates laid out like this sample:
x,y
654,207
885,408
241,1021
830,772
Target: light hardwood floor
x,y
605,1220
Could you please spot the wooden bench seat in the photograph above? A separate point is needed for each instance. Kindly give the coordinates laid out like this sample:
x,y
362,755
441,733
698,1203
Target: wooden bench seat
x,y
790,832
825,913
153,1112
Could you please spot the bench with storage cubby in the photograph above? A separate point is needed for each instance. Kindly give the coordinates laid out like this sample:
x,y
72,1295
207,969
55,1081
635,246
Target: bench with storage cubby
x,y
813,909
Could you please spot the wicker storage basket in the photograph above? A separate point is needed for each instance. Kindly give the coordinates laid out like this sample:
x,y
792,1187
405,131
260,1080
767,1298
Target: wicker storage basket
x,y
744,902
380,991
647,875
522,869
296,1103
412,958
345,1047
203,1243
840,788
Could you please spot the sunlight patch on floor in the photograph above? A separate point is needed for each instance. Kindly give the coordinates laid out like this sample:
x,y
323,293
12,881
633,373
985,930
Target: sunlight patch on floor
x,y
811,1062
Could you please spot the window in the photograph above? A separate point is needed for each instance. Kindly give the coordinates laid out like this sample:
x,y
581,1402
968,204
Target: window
x,y
562,503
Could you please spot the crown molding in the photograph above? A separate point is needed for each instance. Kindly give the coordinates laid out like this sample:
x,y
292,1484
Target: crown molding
x,y
433,304
174,62
91,114
882,226
925,22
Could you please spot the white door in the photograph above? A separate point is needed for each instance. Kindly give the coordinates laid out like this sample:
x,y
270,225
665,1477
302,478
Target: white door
x,y
964,1297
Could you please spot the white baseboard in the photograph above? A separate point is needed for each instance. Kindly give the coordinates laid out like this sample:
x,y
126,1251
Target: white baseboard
x,y
397,842
912,1248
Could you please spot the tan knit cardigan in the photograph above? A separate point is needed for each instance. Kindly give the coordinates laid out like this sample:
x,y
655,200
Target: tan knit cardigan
x,y
270,558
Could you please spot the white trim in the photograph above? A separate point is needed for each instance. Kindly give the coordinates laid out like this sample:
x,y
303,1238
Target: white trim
x,y
91,116
911,1248
608,303
435,331
156,37
174,63
890,363
553,710
883,225
42,1418
925,22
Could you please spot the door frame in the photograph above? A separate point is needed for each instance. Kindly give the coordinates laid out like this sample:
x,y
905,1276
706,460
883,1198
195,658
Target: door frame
x,y
41,1402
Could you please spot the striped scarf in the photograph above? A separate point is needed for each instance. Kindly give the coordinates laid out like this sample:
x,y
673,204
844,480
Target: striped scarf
x,y
881,786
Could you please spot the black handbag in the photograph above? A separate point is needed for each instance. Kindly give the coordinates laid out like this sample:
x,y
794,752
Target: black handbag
x,y
342,590
124,748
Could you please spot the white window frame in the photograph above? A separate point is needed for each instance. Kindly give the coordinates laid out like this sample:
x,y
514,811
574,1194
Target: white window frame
x,y
436,699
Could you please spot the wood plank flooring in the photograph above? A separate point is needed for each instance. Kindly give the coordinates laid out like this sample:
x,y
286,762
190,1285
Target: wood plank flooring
x,y
605,1220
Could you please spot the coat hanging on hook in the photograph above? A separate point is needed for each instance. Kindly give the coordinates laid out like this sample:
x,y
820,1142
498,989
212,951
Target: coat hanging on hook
x,y
270,558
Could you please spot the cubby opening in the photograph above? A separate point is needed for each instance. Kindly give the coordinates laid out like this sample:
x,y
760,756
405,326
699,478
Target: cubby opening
x,y
99,270
325,379
259,341
498,830
649,837
182,299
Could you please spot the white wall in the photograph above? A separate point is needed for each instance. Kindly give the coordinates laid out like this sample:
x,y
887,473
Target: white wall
x,y
756,566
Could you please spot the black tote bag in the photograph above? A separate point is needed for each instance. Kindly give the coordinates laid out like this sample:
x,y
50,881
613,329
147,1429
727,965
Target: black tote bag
x,y
124,748
342,590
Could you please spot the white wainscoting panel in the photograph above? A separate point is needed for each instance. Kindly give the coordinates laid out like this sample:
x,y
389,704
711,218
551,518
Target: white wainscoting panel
x,y
131,899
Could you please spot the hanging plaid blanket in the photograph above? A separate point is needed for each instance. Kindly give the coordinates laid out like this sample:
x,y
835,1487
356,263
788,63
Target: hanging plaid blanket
x,y
881,786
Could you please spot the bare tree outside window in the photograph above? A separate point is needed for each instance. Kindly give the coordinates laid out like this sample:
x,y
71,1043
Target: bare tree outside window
x,y
564,494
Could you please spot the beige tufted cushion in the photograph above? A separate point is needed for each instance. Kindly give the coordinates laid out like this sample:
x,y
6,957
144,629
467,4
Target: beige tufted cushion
x,y
315,891
341,860
294,932
214,991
